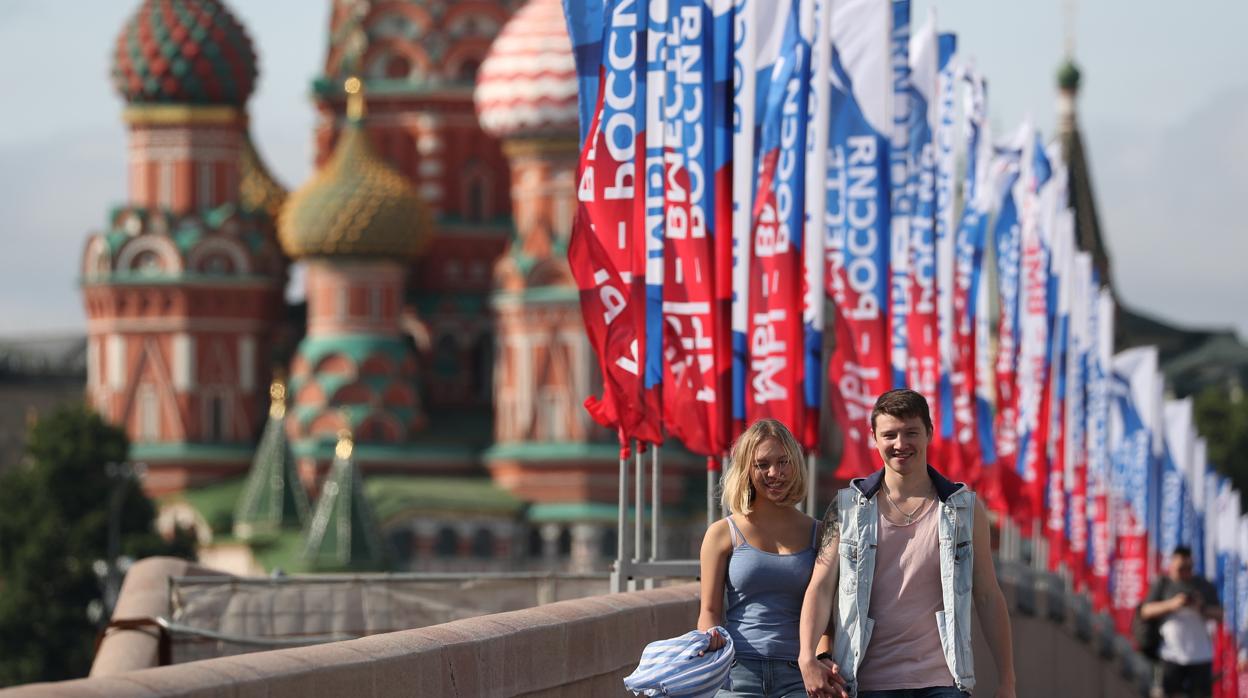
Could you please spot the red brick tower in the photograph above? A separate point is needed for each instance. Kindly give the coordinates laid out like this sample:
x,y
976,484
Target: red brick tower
x,y
418,60
182,287
357,225
546,447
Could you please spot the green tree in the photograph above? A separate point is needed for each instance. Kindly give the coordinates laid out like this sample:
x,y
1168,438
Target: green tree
x,y
54,513
1223,421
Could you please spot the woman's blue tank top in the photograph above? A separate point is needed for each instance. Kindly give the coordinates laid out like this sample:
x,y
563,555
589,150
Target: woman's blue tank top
x,y
764,597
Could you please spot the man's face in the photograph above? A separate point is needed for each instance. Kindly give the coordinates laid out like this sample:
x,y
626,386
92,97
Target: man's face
x,y
902,443
1180,567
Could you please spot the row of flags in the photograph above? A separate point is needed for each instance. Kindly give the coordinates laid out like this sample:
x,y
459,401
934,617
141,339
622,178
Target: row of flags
x,y
788,207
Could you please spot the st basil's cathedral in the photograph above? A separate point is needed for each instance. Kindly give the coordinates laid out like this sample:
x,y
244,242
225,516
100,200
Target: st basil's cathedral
x,y
422,410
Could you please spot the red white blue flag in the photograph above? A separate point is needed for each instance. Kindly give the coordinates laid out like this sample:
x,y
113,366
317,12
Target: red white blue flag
x,y
776,333
857,223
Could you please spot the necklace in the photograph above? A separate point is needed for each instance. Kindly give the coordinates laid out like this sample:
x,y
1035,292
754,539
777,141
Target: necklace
x,y
888,496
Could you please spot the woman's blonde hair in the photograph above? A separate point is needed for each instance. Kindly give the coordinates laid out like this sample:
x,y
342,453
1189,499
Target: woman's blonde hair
x,y
736,492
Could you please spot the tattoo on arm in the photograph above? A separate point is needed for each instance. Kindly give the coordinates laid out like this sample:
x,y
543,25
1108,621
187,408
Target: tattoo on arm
x,y
831,533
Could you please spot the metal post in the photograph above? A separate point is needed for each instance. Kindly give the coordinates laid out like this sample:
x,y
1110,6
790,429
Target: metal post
x,y
811,501
619,576
656,508
639,516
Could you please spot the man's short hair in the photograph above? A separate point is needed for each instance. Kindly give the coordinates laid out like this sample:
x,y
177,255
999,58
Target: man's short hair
x,y
1181,551
902,404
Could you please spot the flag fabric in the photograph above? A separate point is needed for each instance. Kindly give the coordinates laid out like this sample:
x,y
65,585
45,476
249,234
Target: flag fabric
x,y
1007,238
922,336
1075,442
984,185
856,224
692,376
1034,390
758,30
1100,523
776,333
1134,370
1061,276
901,195
585,27
600,249
814,304
952,79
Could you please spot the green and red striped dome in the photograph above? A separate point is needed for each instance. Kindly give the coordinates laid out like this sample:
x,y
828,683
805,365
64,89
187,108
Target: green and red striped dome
x,y
184,52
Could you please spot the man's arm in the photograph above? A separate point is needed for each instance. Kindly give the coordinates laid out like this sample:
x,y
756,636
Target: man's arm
x,y
817,608
1155,606
994,616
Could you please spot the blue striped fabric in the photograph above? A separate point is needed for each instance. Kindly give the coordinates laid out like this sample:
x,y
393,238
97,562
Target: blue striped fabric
x,y
673,668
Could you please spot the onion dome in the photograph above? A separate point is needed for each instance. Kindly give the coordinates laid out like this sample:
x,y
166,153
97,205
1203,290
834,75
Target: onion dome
x,y
184,52
258,189
526,86
1068,76
356,205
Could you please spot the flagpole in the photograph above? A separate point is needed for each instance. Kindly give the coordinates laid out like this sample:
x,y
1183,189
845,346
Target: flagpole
x,y
639,521
622,544
655,503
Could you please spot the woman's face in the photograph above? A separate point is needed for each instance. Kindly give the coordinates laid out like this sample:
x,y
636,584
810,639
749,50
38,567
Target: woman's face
x,y
771,473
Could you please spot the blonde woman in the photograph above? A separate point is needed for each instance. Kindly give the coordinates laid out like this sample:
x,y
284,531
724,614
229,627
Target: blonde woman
x,y
757,561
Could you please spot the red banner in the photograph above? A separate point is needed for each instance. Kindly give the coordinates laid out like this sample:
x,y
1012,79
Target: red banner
x,y
598,253
776,335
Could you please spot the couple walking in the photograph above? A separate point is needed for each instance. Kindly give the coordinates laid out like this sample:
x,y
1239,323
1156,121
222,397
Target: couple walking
x,y
873,601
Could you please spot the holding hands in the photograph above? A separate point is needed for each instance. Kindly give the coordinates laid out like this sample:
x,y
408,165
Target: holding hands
x,y
822,677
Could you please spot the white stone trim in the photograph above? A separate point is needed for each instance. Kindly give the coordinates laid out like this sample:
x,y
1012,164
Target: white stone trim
x,y
115,358
247,363
183,362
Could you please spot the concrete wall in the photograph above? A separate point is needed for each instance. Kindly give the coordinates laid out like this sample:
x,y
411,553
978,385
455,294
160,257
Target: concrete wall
x,y
582,647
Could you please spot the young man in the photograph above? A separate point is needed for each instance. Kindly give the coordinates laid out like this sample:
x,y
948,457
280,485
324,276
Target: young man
x,y
1185,601
904,554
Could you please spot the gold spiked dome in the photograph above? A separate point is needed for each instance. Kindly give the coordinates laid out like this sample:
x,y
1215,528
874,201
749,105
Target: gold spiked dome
x,y
345,444
356,205
277,396
259,190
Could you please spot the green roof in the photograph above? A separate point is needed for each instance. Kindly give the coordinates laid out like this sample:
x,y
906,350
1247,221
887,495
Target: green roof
x,y
274,497
214,502
343,534
393,495
180,450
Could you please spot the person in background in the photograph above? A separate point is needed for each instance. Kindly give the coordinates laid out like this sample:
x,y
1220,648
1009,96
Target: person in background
x,y
756,562
905,553
1185,602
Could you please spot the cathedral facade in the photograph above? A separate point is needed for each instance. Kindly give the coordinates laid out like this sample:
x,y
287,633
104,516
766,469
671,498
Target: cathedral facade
x,y
441,337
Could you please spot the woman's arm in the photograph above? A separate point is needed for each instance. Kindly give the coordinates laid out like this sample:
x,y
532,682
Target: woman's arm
x,y
716,549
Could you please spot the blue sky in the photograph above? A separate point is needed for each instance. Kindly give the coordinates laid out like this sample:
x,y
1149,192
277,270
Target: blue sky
x,y
1164,109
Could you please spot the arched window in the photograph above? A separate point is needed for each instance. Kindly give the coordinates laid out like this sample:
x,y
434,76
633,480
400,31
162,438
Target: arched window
x,y
397,67
446,363
483,543
565,542
476,193
403,545
607,543
468,71
447,543
535,542
483,368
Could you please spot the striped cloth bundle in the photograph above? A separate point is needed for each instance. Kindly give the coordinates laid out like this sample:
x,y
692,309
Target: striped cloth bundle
x,y
674,667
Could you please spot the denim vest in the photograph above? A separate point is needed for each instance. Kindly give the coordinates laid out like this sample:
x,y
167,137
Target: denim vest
x,y
859,509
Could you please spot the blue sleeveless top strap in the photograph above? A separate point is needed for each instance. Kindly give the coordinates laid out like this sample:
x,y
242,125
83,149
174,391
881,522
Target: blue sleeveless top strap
x,y
763,593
